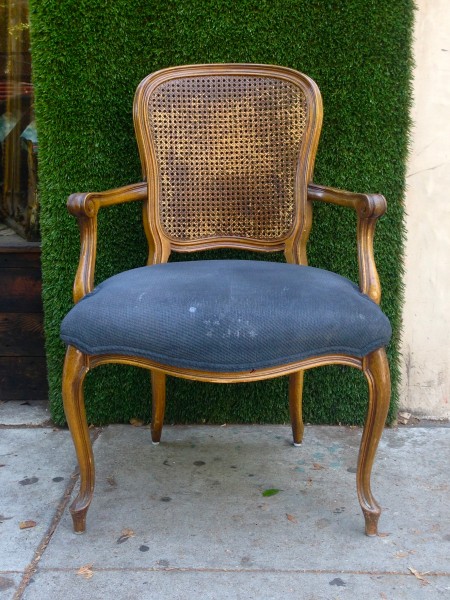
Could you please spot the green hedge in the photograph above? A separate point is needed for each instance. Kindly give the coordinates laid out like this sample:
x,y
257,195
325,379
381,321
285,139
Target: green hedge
x,y
89,56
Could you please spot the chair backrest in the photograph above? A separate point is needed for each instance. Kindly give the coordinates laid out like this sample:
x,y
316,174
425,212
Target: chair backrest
x,y
227,151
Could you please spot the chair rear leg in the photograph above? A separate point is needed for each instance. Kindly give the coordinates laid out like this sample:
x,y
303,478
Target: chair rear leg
x,y
158,404
376,369
75,370
295,406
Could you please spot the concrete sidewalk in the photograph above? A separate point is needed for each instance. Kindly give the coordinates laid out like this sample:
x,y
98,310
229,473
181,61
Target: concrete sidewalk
x,y
189,519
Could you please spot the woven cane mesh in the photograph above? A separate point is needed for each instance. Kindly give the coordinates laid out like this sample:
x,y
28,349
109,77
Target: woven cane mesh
x,y
227,149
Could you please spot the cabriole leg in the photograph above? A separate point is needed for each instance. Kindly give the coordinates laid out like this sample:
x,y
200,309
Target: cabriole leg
x,y
376,369
295,406
75,370
158,404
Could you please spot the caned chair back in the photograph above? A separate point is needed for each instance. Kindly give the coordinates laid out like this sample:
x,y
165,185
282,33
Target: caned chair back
x,y
227,152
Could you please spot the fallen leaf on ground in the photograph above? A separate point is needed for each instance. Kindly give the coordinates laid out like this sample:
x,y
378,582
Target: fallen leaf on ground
x,y
309,481
270,492
419,576
383,534
317,467
402,554
136,422
125,535
111,480
86,571
27,524
403,418
291,518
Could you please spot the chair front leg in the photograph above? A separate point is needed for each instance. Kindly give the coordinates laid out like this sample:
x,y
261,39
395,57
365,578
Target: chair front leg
x,y
376,369
158,405
295,406
74,372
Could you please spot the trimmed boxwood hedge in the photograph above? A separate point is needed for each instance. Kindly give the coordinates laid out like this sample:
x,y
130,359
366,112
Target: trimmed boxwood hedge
x,y
89,56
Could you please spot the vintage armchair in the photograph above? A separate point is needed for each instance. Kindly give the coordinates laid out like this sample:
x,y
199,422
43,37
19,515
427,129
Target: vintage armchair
x,y
227,152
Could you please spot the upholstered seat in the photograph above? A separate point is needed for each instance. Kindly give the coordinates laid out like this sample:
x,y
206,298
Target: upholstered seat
x,y
208,315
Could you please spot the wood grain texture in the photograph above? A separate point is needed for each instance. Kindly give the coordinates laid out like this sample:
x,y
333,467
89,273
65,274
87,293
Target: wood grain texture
x,y
369,207
295,406
12,257
75,370
85,208
23,372
376,370
158,404
23,378
22,334
20,290
222,377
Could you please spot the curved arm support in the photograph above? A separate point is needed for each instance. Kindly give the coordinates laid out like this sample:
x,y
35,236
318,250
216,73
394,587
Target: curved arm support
x,y
85,208
368,207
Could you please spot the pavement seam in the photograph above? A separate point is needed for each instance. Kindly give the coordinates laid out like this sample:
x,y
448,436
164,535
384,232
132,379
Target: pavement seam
x,y
33,565
247,570
44,425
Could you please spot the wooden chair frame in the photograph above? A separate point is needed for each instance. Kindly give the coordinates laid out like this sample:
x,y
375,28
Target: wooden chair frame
x,y
368,207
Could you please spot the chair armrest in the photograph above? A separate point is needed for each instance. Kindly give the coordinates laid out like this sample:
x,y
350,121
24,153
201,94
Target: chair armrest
x,y
368,207
85,207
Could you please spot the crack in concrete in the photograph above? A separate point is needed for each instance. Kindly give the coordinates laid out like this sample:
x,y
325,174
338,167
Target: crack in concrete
x,y
241,570
44,425
425,170
32,567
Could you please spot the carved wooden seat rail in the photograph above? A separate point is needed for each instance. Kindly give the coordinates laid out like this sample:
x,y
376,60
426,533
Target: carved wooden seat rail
x,y
227,152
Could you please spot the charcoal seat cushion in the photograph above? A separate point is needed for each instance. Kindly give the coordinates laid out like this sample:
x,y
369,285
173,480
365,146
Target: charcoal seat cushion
x,y
226,315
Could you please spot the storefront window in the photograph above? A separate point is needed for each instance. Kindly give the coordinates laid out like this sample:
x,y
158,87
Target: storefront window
x,y
18,141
